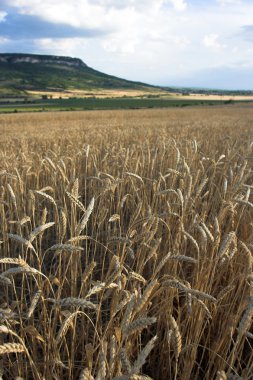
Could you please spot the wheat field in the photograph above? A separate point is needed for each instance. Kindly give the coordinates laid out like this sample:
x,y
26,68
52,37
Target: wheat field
x,y
126,245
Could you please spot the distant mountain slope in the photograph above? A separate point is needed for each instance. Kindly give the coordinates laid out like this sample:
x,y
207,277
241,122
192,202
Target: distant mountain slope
x,y
23,72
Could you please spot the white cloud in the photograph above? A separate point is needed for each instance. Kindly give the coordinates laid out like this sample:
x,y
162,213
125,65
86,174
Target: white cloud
x,y
4,40
182,41
228,2
3,15
116,45
148,40
88,13
212,41
179,5
61,46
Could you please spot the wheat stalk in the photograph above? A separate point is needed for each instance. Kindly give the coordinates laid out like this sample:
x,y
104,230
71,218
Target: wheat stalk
x,y
74,302
64,327
9,348
126,366
187,259
85,375
86,216
226,243
76,201
21,240
145,296
176,336
46,196
12,195
133,175
65,247
137,325
15,261
38,230
140,361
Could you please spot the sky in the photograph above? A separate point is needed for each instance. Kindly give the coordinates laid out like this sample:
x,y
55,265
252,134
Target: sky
x,y
199,43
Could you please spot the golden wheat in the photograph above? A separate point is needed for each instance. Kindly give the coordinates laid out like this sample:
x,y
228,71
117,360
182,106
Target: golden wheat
x,y
126,244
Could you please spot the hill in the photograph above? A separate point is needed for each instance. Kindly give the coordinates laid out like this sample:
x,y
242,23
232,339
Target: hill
x,y
24,73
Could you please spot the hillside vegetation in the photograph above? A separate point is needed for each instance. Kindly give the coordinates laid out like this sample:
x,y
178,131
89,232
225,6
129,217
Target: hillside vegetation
x,y
126,245
27,72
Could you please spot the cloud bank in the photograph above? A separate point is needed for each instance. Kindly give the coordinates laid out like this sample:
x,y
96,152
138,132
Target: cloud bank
x,y
156,41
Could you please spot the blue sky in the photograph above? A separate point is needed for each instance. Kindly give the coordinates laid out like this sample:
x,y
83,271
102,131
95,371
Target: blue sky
x,y
166,42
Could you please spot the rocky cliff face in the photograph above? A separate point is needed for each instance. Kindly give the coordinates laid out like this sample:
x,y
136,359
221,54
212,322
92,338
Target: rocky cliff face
x,y
42,59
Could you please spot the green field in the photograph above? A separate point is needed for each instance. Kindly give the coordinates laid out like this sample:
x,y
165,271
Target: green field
x,y
105,103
